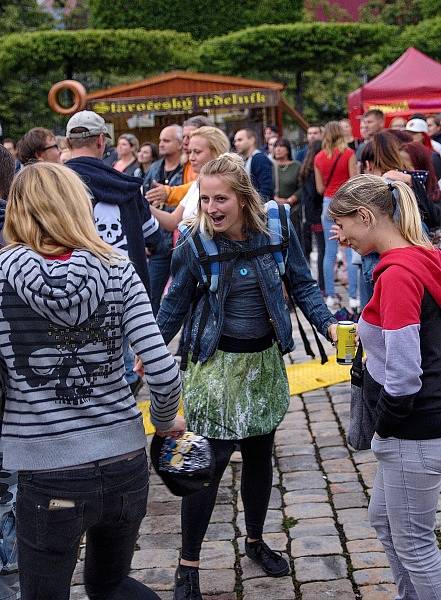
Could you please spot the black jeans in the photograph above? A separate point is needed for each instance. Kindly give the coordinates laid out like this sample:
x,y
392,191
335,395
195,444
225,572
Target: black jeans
x,y
257,476
108,502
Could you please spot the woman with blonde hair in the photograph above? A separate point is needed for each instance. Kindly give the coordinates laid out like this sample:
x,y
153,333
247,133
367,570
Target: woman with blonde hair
x,y
71,427
333,166
237,329
400,329
205,144
127,149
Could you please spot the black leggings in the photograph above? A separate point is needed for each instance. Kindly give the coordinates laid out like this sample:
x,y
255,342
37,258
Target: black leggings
x,y
257,476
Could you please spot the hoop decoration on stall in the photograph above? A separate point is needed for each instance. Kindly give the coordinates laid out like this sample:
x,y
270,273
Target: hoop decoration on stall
x,y
79,97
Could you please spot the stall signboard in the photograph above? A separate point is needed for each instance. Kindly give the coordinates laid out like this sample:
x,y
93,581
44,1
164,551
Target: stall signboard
x,y
158,105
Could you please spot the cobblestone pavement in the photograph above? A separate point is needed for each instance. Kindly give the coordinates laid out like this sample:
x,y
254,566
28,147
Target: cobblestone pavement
x,y
317,518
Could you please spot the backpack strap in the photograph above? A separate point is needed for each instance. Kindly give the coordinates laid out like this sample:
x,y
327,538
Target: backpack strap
x,y
279,232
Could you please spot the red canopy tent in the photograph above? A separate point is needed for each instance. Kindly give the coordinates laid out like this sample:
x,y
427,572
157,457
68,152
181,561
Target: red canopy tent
x,y
409,85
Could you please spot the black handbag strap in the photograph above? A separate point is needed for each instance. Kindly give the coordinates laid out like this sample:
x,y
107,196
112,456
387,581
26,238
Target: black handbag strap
x,y
357,366
331,172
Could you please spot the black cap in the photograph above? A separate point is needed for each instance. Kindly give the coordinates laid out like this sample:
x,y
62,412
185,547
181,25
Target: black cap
x,y
185,465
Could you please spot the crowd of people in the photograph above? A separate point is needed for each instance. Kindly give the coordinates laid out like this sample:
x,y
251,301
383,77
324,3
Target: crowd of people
x,y
108,253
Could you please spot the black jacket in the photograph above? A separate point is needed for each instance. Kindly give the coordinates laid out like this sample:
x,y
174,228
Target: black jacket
x,y
122,216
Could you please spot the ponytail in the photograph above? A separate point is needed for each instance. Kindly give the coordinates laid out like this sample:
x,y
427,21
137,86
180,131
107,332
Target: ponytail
x,y
406,214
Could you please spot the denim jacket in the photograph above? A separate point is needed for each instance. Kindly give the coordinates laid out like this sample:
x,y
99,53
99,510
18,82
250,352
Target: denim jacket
x,y
186,276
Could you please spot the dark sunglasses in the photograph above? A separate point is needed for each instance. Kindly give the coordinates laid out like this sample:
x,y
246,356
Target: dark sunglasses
x,y
50,147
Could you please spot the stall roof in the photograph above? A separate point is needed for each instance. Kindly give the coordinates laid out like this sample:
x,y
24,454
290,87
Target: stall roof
x,y
414,74
182,81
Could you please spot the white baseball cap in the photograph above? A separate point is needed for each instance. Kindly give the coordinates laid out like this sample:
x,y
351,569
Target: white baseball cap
x,y
417,126
89,120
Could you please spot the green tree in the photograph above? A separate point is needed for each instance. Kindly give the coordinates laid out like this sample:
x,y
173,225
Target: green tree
x,y
23,15
392,12
203,18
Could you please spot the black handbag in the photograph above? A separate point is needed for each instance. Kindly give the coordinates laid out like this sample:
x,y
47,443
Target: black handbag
x,y
364,396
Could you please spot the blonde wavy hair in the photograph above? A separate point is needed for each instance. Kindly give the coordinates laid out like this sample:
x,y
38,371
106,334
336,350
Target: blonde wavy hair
x,y
231,168
395,200
49,210
333,138
216,139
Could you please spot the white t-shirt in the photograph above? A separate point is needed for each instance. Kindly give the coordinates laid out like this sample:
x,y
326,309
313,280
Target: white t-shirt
x,y
190,201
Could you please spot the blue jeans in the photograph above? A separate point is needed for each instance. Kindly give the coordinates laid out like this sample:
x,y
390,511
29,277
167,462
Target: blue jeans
x,y
9,587
402,511
108,502
159,272
331,247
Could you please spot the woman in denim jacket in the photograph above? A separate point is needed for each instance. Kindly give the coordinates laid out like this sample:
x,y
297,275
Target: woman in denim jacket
x,y
235,389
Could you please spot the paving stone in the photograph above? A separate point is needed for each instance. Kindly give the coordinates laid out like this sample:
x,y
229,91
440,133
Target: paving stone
x,y
159,541
159,493
157,579
217,581
369,545
302,496
323,440
219,531
352,515
294,420
373,576
323,416
320,568
359,531
163,508
295,404
381,591
349,500
294,450
367,560
77,592
363,456
312,527
316,407
222,513
345,487
367,472
155,558
224,496
297,463
333,452
280,588
287,436
342,477
308,510
217,555
161,524
338,465
303,480
340,589
319,545
273,522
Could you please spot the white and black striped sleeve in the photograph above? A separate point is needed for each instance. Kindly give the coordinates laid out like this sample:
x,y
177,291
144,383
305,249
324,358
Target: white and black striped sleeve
x,y
161,370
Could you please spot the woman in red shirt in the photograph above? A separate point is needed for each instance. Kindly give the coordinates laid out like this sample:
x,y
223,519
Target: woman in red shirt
x,y
333,166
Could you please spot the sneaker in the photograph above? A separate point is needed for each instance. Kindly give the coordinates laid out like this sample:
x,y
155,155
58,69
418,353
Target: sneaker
x,y
136,386
271,562
331,302
187,584
354,303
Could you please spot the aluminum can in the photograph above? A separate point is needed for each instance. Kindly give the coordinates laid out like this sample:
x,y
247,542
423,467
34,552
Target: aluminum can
x,y
346,347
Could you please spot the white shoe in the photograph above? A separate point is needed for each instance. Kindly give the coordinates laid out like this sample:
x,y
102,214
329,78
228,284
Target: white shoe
x,y
331,301
354,303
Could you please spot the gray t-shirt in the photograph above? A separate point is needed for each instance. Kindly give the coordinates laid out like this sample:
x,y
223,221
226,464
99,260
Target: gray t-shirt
x,y
246,316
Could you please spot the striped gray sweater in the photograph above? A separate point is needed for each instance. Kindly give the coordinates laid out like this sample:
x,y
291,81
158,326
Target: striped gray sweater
x,y
61,326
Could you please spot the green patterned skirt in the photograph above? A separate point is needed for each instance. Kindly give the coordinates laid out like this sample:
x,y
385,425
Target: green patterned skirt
x,y
235,396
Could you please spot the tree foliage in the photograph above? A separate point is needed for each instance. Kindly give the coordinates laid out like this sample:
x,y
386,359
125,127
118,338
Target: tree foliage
x,y
291,48
392,12
22,15
121,51
201,18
